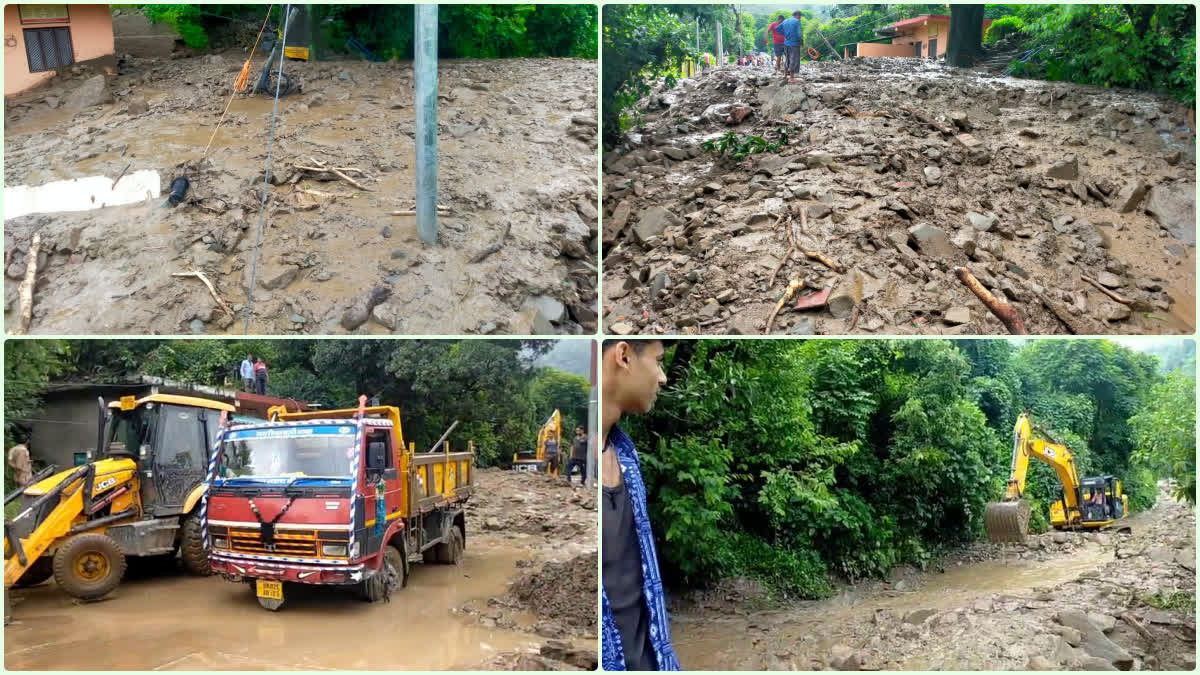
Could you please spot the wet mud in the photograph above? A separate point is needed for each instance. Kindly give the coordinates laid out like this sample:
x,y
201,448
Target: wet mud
x,y
990,607
904,170
516,171
183,622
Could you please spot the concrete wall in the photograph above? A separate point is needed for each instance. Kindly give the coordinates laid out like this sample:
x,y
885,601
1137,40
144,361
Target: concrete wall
x,y
91,38
68,426
877,49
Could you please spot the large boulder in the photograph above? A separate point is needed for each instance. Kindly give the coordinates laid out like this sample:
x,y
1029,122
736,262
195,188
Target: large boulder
x,y
653,223
93,91
1174,207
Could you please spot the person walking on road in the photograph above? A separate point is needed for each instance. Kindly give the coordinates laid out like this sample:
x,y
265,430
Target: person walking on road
x,y
636,632
247,373
793,42
578,456
260,376
552,462
776,42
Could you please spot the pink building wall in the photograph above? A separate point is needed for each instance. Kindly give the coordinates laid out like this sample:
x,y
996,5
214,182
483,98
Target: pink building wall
x,y
876,49
91,37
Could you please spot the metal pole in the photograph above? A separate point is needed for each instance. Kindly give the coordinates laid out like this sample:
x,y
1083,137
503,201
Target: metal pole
x,y
593,429
720,47
425,70
697,34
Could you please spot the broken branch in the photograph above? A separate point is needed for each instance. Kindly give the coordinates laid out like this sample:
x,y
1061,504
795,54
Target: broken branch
x,y
337,173
26,290
121,175
824,260
786,257
928,120
1137,626
212,290
795,285
1104,290
494,247
413,212
1006,313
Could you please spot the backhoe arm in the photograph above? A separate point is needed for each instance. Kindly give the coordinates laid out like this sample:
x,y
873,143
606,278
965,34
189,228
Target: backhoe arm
x,y
1008,520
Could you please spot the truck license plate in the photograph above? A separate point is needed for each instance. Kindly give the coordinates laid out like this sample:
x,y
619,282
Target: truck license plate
x,y
272,590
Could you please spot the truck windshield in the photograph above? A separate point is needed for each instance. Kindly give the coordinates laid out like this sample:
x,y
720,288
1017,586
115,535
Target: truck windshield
x,y
289,451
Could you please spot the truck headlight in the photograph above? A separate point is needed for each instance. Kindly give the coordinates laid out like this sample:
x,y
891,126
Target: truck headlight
x,y
354,550
333,550
220,542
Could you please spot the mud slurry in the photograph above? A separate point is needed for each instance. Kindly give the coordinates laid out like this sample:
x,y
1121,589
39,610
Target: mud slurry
x,y
183,622
1031,185
1054,603
516,152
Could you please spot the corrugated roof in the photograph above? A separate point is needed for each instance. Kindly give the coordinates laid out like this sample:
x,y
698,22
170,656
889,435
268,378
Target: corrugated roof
x,y
918,19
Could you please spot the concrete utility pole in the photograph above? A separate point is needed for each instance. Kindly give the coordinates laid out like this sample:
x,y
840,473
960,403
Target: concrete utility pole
x,y
720,47
593,424
425,71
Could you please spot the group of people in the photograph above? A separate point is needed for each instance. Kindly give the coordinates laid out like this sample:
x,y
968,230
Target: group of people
x,y
786,36
579,448
752,60
254,375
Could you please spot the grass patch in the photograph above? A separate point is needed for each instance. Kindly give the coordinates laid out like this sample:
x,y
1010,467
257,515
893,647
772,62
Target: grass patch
x,y
1176,600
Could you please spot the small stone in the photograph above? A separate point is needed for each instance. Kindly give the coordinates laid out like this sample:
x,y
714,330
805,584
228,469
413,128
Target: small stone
x,y
726,295
804,326
1065,169
197,327
981,222
918,616
386,232
1173,158
1039,663
710,310
1109,280
933,175
398,254
1130,196
1017,270
621,329
956,316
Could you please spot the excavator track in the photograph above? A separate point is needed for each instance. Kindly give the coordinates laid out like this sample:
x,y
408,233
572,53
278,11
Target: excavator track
x,y
1007,521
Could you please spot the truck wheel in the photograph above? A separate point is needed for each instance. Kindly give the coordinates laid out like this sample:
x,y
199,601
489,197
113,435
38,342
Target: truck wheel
x,y
89,566
191,548
37,573
451,552
388,579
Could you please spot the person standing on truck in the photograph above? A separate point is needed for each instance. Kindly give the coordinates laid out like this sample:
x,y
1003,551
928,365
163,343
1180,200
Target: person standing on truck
x,y
247,373
793,42
636,631
578,456
776,41
260,376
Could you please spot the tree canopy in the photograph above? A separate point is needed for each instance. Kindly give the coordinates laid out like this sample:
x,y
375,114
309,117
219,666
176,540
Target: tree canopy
x,y
794,461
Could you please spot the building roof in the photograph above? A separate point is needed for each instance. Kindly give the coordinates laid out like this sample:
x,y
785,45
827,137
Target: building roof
x,y
918,19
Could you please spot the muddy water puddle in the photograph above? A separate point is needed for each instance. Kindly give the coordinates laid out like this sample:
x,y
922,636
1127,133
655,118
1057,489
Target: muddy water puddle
x,y
705,641
188,623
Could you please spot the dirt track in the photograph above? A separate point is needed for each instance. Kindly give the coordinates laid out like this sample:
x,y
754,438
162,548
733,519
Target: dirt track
x,y
514,151
179,622
992,608
1029,184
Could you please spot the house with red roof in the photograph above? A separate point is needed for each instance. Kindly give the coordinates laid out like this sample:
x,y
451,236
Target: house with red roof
x,y
924,36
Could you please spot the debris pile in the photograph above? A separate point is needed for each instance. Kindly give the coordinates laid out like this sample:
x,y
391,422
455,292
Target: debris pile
x,y
515,174
1071,203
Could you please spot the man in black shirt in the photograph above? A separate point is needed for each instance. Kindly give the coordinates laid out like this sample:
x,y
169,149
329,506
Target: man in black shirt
x,y
578,456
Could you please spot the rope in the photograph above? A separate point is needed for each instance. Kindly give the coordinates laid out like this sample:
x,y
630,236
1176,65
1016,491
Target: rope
x,y
262,210
236,86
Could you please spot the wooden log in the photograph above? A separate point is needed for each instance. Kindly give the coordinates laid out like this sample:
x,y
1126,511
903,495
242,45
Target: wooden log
x,y
1001,310
26,291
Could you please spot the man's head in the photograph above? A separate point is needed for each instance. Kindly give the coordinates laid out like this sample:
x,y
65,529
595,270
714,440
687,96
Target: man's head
x,y
249,357
579,430
798,14
633,373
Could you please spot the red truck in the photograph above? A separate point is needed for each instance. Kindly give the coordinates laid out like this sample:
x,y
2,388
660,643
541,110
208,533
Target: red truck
x,y
332,497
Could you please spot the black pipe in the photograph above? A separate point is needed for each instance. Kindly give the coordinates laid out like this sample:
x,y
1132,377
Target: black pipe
x,y
179,188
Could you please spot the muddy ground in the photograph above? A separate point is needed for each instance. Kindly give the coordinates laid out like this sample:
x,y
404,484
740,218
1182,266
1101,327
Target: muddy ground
x,y
1031,185
183,622
1055,603
516,154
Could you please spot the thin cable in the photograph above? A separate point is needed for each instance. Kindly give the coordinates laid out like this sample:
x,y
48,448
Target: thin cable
x,y
262,210
245,68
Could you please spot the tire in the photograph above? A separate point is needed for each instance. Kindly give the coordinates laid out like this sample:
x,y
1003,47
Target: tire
x,y
388,579
89,566
38,573
191,547
451,551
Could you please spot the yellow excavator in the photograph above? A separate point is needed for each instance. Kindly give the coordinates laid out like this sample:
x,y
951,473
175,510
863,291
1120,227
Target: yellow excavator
x,y
538,460
139,497
1088,503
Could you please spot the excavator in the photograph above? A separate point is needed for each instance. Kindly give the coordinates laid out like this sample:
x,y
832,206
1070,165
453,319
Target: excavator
x,y
536,460
139,497
1088,503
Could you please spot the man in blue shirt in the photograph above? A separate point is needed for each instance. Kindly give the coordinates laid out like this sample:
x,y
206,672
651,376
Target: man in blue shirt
x,y
636,634
247,372
793,43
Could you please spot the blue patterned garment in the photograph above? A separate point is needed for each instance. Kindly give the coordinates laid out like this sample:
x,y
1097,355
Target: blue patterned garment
x,y
613,656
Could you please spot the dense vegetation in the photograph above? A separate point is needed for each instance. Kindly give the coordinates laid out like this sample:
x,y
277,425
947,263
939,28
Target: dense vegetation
x,y
1137,46
791,461
492,386
465,31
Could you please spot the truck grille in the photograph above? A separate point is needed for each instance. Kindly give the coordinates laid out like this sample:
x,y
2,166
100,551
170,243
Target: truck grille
x,y
287,542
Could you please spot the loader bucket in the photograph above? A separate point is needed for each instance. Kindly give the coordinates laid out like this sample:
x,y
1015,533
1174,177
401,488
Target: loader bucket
x,y
1007,521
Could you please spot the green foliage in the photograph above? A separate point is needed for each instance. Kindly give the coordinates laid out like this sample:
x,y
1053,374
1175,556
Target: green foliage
x,y
1165,431
1181,601
737,149
1002,28
1136,46
185,19
29,365
553,389
789,461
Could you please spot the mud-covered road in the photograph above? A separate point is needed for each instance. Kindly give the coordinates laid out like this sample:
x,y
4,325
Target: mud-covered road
x,y
516,170
905,169
1054,603
163,619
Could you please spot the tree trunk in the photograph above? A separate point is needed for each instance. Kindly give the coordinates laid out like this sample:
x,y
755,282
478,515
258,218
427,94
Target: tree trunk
x,y
966,35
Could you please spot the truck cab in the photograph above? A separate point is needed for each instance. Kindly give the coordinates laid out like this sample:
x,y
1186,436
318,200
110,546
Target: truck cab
x,y
332,497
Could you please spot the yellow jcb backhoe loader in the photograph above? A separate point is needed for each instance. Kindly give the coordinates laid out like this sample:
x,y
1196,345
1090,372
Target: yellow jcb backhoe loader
x,y
538,459
139,497
1088,503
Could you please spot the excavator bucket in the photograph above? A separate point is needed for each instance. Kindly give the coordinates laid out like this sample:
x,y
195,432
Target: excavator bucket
x,y
1007,521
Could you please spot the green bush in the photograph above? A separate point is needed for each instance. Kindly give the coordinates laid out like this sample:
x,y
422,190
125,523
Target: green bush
x,y
1002,28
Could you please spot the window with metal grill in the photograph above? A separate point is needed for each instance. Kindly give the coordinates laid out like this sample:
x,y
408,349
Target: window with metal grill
x,y
48,48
